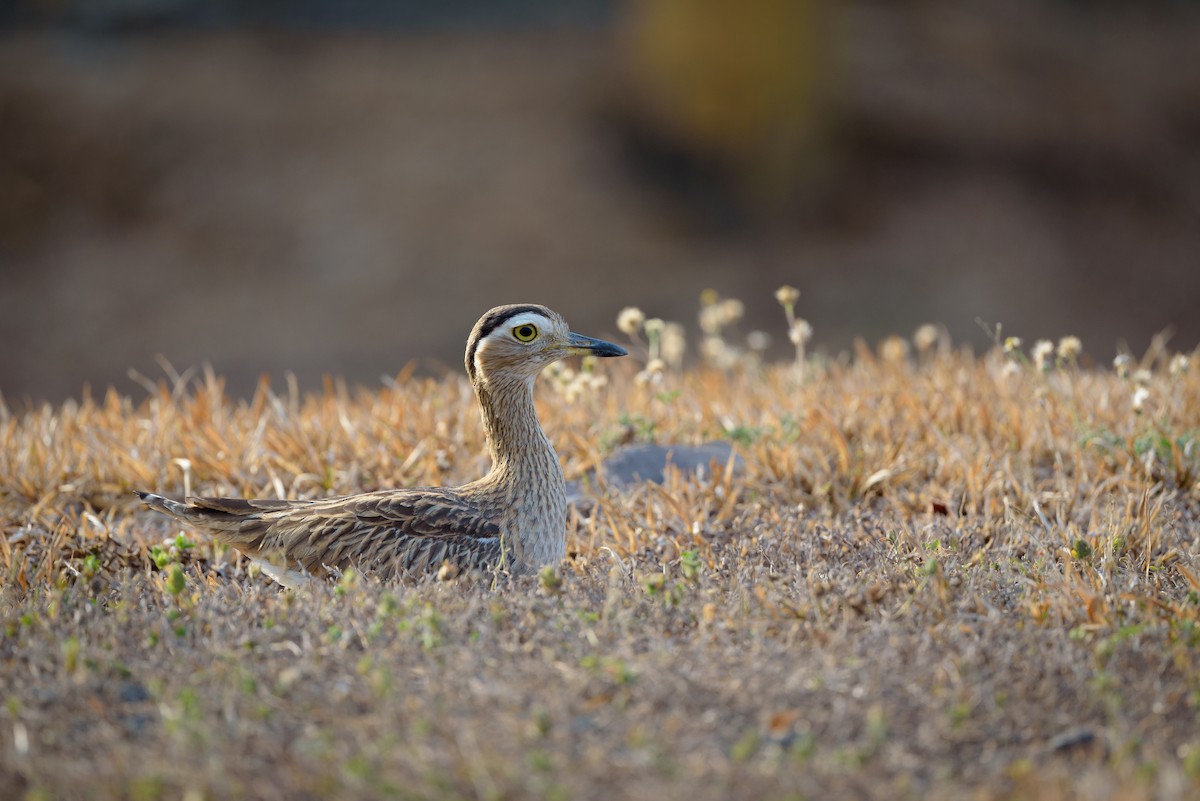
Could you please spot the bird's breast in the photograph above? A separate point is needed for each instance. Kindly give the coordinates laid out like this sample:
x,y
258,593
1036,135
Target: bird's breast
x,y
539,515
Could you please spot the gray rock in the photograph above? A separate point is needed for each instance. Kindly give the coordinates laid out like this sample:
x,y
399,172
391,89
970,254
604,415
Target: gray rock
x,y
631,465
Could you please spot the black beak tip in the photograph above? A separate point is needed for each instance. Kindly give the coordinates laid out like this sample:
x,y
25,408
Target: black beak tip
x,y
609,349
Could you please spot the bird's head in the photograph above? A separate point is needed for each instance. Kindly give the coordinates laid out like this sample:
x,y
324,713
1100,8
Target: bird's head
x,y
514,343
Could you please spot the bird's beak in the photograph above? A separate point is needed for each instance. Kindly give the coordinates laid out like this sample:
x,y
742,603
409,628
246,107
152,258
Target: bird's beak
x,y
579,345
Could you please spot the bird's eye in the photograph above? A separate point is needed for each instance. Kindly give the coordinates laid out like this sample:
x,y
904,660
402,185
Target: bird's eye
x,y
525,333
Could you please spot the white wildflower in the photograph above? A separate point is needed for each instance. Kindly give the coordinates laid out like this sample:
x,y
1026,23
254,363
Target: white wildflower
x,y
1121,364
1180,364
630,320
926,337
894,349
1069,348
673,344
711,319
718,353
787,296
1140,396
653,372
730,311
713,349
1043,349
800,332
758,341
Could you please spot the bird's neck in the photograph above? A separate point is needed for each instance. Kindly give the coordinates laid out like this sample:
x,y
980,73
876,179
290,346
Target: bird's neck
x,y
519,447
525,473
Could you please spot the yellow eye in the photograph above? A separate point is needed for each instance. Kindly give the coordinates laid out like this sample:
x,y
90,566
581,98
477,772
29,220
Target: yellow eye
x,y
525,333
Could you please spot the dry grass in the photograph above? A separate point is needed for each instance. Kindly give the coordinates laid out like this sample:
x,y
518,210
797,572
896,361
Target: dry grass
x,y
938,577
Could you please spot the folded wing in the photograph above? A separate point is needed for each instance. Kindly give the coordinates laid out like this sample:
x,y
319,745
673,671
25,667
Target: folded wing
x,y
390,533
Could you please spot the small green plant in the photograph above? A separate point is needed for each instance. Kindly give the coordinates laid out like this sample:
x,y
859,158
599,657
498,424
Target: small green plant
x,y
347,582
689,565
549,580
746,746
160,556
1191,759
643,427
175,580
70,654
959,713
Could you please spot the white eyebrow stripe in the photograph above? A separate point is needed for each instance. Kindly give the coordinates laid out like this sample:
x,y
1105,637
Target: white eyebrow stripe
x,y
540,320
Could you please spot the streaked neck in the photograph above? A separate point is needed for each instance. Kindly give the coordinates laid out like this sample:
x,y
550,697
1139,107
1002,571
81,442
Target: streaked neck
x,y
517,443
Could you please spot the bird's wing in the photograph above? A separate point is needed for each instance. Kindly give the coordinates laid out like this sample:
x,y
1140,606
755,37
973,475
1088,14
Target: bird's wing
x,y
390,532
431,512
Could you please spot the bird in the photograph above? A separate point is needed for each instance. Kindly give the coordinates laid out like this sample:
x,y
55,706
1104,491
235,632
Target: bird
x,y
514,518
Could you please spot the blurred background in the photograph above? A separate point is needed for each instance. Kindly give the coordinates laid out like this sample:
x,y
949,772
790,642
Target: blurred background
x,y
341,187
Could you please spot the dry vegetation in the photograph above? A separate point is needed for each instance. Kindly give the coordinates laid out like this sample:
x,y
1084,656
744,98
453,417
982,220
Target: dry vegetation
x,y
939,575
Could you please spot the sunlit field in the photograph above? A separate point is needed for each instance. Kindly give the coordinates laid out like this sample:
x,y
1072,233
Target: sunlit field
x,y
932,573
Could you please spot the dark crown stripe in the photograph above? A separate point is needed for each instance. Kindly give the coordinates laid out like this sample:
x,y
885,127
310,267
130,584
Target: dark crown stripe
x,y
490,323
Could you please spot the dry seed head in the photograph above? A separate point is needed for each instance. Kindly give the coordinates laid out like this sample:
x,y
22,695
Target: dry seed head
x,y
653,372
554,370
731,310
1069,348
787,296
758,341
894,349
643,378
673,344
800,332
710,319
1180,364
1042,350
718,353
630,320
573,390
925,337
1121,364
559,376
713,348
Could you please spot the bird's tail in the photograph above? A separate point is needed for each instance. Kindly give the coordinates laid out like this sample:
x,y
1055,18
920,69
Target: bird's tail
x,y
230,515
237,522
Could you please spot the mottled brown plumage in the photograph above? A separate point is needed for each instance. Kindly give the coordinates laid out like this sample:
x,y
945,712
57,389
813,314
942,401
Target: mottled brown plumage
x,y
514,517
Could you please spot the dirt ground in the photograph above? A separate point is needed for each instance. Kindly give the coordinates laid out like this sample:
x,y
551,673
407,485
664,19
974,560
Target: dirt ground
x,y
344,203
